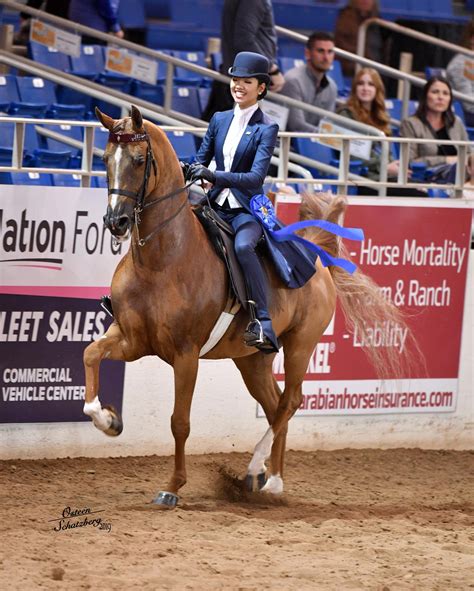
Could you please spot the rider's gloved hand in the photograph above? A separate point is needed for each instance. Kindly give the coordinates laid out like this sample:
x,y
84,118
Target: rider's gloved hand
x,y
201,173
186,168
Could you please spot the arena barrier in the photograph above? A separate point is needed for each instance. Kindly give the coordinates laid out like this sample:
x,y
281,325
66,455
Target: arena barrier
x,y
57,260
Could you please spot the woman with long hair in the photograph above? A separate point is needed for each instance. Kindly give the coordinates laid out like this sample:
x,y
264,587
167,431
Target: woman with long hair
x,y
434,119
366,104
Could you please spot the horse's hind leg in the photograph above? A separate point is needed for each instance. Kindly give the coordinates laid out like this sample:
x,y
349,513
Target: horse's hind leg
x,y
112,345
257,374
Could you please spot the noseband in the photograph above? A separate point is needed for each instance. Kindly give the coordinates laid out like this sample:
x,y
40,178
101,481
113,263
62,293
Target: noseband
x,y
139,196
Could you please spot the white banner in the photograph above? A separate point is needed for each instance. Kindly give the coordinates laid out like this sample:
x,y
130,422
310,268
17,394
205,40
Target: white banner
x,y
55,39
122,62
52,236
358,148
363,397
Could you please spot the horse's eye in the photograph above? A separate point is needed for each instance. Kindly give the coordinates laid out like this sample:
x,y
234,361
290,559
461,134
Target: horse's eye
x,y
105,157
138,160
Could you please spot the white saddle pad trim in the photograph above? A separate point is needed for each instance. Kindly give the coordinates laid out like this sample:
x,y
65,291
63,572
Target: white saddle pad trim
x,y
222,324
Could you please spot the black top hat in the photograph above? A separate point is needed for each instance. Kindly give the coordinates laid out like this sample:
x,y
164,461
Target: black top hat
x,y
248,64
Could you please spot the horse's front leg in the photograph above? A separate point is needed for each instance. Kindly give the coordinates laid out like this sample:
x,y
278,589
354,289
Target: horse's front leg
x,y
185,374
112,345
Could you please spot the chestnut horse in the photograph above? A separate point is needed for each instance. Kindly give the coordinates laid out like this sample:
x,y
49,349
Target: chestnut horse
x,y
170,289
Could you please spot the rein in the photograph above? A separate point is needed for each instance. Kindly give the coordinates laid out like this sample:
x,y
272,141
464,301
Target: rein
x,y
139,196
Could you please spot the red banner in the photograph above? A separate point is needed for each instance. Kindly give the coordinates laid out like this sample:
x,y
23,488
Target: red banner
x,y
418,256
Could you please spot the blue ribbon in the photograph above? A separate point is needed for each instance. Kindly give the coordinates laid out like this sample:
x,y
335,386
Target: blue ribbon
x,y
262,208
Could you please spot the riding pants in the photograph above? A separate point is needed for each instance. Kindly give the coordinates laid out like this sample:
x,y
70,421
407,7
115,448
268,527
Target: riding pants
x,y
247,235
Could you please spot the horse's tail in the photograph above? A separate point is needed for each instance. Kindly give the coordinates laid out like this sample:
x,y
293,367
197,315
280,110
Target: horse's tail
x,y
362,301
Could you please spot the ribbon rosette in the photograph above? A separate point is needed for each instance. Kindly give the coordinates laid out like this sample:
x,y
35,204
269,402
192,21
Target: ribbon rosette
x,y
262,209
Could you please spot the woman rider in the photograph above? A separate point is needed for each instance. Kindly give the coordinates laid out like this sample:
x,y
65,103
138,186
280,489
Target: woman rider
x,y
242,141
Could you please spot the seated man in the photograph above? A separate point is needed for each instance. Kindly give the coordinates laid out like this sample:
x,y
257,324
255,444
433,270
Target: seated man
x,y
309,83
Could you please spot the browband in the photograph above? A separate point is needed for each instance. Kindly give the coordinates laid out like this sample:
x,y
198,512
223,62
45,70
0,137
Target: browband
x,y
127,138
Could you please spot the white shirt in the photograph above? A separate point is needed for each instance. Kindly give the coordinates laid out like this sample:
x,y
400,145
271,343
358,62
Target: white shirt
x,y
232,139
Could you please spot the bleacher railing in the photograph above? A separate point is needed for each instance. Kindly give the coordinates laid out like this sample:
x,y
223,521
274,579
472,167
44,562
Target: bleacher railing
x,y
407,78
287,161
163,114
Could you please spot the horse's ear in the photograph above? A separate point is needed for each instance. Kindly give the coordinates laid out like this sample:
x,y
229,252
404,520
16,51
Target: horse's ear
x,y
106,121
137,119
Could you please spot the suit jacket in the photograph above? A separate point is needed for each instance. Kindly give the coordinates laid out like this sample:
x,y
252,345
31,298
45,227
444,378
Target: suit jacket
x,y
428,153
294,264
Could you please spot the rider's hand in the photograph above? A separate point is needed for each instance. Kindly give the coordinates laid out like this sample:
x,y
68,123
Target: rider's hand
x,y
201,173
186,168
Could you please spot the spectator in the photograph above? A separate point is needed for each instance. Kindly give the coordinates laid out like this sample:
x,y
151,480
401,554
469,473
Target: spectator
x,y
460,73
247,25
434,119
97,14
309,83
366,104
347,28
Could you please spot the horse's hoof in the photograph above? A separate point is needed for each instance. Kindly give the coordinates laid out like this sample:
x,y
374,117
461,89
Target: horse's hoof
x,y
116,426
253,483
166,499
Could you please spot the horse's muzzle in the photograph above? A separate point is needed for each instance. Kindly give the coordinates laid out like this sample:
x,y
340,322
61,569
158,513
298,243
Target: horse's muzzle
x,y
119,224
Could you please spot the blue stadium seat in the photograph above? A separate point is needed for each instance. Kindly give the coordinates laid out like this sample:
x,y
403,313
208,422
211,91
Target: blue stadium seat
x,y
101,136
183,36
216,60
183,144
430,72
288,63
197,12
31,144
90,63
336,74
313,149
153,93
66,180
186,77
36,90
186,100
316,151
73,132
8,91
99,182
203,94
52,159
116,82
25,178
49,56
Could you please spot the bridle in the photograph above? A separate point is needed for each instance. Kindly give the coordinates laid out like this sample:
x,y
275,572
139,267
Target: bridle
x,y
139,196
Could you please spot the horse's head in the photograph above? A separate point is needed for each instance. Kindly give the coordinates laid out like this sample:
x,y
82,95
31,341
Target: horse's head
x,y
129,163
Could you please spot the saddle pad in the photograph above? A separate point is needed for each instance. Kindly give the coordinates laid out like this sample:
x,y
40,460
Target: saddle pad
x,y
221,235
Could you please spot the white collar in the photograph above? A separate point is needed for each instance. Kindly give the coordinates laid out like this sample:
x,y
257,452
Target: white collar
x,y
245,113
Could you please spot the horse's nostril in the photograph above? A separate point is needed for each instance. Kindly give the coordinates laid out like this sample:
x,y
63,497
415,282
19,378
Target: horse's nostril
x,y
122,221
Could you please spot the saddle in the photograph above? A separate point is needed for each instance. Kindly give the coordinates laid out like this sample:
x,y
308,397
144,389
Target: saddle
x,y
221,234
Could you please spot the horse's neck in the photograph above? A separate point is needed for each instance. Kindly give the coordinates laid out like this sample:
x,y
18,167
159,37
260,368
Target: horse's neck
x,y
169,227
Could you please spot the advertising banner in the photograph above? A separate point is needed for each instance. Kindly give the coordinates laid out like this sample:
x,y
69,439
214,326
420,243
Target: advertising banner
x,y
55,39
418,256
129,64
56,260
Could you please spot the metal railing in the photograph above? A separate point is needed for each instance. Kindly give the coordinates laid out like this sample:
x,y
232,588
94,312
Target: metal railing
x,y
164,113
362,36
287,161
408,79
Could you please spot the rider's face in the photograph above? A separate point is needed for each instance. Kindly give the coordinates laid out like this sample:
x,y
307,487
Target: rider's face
x,y
245,91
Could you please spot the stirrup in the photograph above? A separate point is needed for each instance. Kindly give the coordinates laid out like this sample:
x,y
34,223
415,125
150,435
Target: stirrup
x,y
253,335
